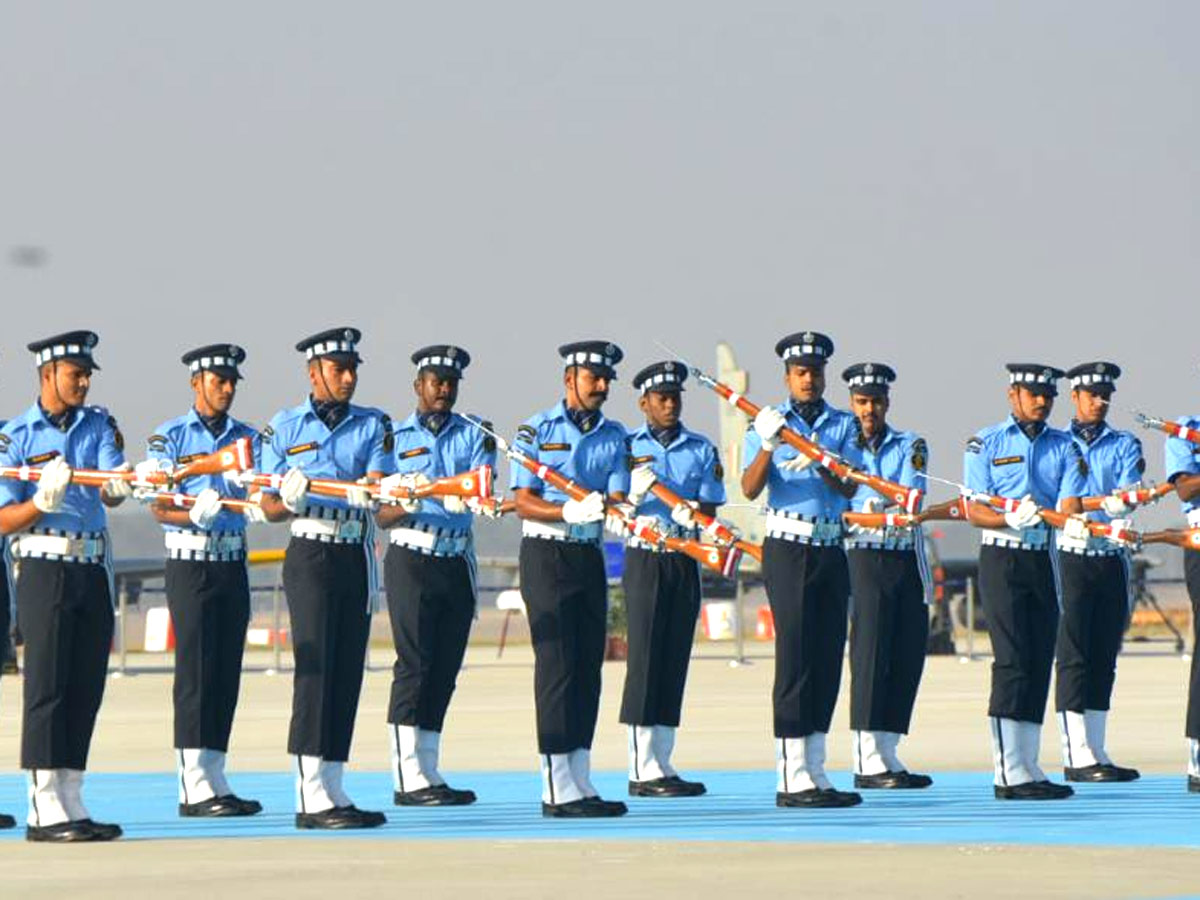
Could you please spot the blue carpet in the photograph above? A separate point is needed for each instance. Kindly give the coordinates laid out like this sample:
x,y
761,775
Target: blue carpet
x,y
958,809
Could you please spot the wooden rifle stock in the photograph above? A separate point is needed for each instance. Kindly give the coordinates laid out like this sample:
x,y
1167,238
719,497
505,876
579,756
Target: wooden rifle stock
x,y
1135,497
1056,519
719,532
473,483
1188,538
908,498
951,511
187,501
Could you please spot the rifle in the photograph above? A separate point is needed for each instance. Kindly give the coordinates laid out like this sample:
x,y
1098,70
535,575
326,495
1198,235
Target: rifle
x,y
1174,430
187,501
1133,496
719,531
1188,538
235,457
951,511
908,498
719,559
472,483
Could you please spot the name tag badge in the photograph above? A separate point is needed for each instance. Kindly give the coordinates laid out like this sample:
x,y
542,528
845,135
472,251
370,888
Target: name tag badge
x,y
552,447
415,451
303,448
1007,460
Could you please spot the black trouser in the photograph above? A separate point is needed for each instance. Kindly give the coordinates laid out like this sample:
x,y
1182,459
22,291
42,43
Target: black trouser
x,y
662,602
889,628
1021,605
566,598
431,602
65,614
326,587
7,650
1191,573
808,588
1095,610
210,609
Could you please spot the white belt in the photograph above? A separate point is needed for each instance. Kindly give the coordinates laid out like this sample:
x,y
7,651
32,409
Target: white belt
x,y
886,541
192,542
434,542
56,546
587,533
1036,538
802,530
1089,546
328,530
1193,518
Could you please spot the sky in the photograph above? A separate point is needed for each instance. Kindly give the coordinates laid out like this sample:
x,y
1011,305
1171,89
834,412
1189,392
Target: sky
x,y
941,186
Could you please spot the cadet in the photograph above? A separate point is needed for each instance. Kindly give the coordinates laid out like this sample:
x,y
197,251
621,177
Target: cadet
x,y
326,572
64,593
430,575
8,653
1094,583
662,588
1023,458
804,567
889,621
1183,471
562,570
208,591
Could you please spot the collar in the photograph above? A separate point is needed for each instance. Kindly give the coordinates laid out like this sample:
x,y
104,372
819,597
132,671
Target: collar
x,y
644,431
889,434
1031,430
215,426
808,413
331,413
597,418
434,422
1089,434
62,421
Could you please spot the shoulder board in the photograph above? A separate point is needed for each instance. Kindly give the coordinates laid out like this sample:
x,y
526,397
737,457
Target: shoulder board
x,y
267,433
489,442
157,442
118,438
975,444
389,434
920,454
526,433
5,441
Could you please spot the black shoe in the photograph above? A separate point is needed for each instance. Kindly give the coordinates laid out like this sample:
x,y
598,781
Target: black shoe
x,y
340,817
1033,790
220,807
434,795
667,786
1101,772
78,832
1193,784
892,781
586,808
815,798
7,821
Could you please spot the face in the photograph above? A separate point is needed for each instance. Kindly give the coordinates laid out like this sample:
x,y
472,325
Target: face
x,y
1028,406
805,384
435,393
871,412
585,389
214,393
332,379
662,409
68,381
1090,408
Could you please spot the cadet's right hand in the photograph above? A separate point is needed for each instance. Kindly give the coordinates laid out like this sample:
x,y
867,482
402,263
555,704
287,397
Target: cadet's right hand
x,y
52,485
206,508
768,424
580,512
1115,506
1025,515
293,489
641,480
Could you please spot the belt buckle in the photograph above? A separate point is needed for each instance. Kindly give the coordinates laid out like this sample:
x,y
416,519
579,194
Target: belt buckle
x,y
349,530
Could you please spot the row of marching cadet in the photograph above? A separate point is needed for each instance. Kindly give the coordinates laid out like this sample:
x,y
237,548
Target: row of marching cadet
x,y
845,494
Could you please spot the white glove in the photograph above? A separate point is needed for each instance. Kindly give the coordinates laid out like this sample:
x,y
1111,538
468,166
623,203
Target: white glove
x,y
873,505
614,522
489,509
145,472
1024,515
206,508
405,481
52,485
580,512
118,488
1115,506
1116,526
864,530
293,489
358,497
254,514
641,480
798,464
454,505
1076,528
768,423
683,515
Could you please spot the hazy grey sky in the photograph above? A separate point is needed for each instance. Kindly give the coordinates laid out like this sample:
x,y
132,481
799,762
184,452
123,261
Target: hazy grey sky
x,y
940,186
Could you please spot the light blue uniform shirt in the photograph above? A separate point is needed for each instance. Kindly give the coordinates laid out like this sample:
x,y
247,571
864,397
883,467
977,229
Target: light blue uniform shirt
x,y
92,442
458,447
689,466
805,492
1114,460
597,461
362,442
1002,460
1183,458
901,456
184,439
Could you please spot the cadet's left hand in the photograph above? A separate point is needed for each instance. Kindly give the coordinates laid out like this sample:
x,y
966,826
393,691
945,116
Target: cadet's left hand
x,y
865,531
614,521
119,488
1076,528
489,509
1117,526
206,508
454,505
1115,506
873,505
641,480
254,514
358,497
798,464
682,515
